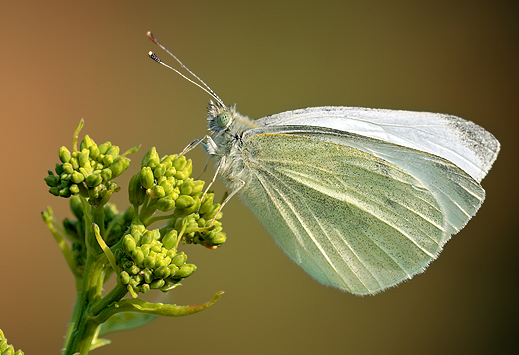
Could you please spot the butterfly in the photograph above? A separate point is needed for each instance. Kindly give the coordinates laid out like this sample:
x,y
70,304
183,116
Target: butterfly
x,y
361,199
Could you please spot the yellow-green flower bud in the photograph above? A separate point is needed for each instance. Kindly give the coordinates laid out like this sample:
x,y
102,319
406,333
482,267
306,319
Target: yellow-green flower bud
x,y
156,246
198,187
129,244
156,192
124,277
134,269
162,272
181,174
52,181
187,187
157,284
147,178
194,207
207,204
77,177
184,202
159,170
149,261
64,155
94,180
146,248
119,165
147,274
170,172
59,169
185,270
108,160
172,269
134,284
171,253
180,163
210,215
94,151
168,159
113,151
84,160
155,233
145,288
170,239
103,148
138,256
86,172
74,189
147,238
216,238
137,229
86,143
106,174
74,163
167,186
64,192
179,259
151,158
67,168
136,192
165,204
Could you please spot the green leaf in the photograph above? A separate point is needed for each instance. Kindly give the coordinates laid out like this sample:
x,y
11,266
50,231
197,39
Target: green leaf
x,y
125,320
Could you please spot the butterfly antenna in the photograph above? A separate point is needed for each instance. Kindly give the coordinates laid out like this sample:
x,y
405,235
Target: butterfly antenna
x,y
205,87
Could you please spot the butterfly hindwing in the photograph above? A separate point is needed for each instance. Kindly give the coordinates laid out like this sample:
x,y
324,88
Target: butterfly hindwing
x,y
350,219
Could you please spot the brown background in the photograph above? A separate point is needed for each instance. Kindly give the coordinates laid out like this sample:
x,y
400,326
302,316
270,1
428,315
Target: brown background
x,y
63,60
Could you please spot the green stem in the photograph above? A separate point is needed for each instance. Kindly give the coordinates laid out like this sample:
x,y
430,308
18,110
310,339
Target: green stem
x,y
99,218
83,326
76,135
159,218
117,293
147,211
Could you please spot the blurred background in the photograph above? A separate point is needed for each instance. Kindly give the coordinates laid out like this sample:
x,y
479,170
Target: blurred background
x,y
66,60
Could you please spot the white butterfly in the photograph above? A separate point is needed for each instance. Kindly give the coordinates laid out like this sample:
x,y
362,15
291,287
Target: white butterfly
x,y
362,199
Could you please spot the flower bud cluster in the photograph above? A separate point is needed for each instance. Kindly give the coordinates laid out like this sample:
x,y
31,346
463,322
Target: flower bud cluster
x,y
168,185
6,349
149,259
202,227
116,224
166,181
87,171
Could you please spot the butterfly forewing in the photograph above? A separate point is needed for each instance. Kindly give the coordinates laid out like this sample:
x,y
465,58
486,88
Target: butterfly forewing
x,y
462,142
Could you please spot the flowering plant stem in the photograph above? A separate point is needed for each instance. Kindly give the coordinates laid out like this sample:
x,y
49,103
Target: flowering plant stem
x,y
103,241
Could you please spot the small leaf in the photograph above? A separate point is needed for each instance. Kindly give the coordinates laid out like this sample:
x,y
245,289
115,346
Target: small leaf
x,y
125,320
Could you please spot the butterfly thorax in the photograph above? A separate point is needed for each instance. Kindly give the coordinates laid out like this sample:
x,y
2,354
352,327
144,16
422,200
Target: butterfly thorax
x,y
227,127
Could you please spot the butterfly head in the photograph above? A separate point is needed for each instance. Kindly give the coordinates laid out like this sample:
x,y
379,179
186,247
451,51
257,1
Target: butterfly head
x,y
220,117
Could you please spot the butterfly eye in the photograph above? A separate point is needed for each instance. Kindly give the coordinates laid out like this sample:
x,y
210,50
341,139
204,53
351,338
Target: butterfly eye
x,y
223,119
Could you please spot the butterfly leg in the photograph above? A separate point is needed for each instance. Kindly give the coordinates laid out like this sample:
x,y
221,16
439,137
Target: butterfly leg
x,y
220,164
239,185
207,142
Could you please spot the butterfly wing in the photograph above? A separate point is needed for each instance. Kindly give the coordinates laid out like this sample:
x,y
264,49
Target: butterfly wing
x,y
462,142
350,219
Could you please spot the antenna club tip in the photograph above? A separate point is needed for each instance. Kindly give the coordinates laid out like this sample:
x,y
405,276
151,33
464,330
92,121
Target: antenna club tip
x,y
154,57
152,37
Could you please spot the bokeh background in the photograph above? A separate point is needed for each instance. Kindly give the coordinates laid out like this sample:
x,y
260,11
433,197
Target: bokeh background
x,y
64,60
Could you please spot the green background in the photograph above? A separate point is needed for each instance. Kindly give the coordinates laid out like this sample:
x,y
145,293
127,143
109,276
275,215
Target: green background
x,y
64,60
